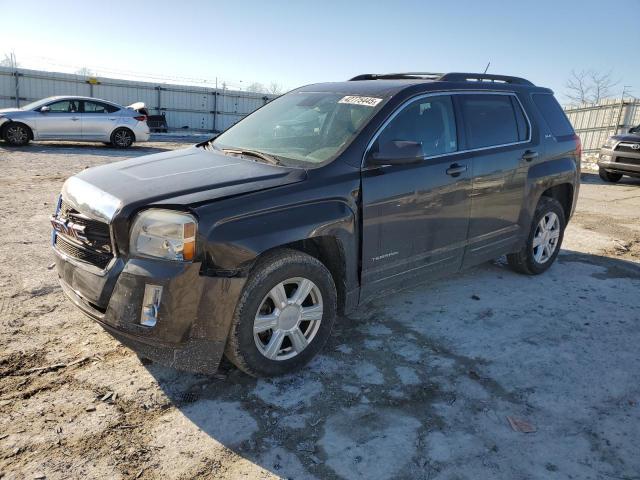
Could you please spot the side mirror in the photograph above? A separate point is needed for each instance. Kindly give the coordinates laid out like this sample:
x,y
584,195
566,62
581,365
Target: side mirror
x,y
397,152
45,109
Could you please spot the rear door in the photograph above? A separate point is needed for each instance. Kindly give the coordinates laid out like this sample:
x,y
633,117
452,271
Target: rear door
x,y
498,136
63,121
415,217
98,120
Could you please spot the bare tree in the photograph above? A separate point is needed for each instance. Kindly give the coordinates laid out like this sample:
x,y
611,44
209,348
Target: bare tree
x,y
255,87
9,60
86,72
589,86
275,88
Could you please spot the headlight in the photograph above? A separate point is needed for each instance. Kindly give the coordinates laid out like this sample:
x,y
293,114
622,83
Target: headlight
x,y
164,234
609,143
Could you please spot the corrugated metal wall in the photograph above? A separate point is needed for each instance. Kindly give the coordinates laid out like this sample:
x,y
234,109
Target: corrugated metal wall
x,y
595,123
197,108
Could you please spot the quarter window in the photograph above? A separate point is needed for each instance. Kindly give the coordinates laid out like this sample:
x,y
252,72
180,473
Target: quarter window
x,y
553,114
429,121
490,120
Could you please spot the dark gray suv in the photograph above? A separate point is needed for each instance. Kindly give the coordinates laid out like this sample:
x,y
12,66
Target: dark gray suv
x,y
250,244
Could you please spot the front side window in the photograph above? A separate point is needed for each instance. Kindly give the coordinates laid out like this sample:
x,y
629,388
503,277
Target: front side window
x,y
97,107
489,120
429,121
302,128
64,106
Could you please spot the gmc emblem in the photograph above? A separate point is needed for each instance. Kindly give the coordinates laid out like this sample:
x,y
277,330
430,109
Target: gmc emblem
x,y
68,229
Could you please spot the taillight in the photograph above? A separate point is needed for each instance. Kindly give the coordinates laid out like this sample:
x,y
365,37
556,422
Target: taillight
x,y
141,118
578,147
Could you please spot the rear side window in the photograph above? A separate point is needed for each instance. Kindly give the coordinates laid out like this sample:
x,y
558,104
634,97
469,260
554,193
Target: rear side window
x,y
98,107
553,114
491,120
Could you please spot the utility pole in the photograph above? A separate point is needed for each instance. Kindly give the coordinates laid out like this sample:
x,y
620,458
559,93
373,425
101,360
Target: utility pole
x,y
14,65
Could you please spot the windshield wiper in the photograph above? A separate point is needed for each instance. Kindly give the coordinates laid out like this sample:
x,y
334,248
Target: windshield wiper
x,y
253,153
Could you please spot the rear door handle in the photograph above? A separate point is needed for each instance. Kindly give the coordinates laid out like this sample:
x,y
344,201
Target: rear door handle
x,y
529,155
456,169
75,119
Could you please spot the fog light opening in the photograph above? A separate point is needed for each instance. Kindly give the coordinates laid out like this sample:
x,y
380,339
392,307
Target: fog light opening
x,y
150,305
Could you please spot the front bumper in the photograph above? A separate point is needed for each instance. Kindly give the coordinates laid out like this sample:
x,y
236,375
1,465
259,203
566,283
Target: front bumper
x,y
626,163
193,318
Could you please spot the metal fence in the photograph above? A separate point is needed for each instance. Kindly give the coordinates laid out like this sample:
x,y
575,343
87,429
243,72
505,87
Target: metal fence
x,y
195,108
595,123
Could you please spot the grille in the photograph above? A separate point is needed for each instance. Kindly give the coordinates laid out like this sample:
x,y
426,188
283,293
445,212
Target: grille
x,y
96,249
100,260
627,160
626,147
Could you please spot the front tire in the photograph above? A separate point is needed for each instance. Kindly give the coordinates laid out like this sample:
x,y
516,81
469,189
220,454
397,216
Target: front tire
x,y
284,315
16,134
544,240
609,176
122,138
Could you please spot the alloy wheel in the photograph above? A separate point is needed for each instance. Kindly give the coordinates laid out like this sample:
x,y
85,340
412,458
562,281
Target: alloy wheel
x,y
288,318
16,134
545,239
122,138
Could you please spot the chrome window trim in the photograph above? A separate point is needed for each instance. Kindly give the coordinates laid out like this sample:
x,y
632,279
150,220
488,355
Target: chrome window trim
x,y
440,94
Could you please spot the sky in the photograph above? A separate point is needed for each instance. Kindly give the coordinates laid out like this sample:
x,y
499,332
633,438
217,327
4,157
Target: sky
x,y
299,42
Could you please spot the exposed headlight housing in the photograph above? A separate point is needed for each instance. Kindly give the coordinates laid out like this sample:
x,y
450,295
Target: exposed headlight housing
x,y
164,234
609,143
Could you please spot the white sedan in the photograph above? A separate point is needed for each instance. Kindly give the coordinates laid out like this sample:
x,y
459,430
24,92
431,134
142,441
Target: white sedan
x,y
75,118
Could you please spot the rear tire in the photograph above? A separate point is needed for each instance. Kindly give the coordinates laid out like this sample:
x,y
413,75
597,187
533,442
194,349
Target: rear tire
x,y
16,134
284,315
609,176
544,240
122,138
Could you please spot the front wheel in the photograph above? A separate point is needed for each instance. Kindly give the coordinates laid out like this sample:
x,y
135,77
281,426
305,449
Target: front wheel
x,y
544,240
609,176
16,134
284,315
122,138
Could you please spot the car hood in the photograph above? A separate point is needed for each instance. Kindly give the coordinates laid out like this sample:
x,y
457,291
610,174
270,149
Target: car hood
x,y
628,137
9,110
181,177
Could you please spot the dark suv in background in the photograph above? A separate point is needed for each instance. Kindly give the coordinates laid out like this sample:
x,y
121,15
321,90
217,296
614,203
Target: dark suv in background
x,y
620,155
248,245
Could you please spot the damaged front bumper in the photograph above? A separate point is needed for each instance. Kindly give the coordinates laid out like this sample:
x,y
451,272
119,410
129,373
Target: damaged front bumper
x,y
190,319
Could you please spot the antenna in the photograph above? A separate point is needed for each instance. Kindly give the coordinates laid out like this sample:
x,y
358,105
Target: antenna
x,y
485,70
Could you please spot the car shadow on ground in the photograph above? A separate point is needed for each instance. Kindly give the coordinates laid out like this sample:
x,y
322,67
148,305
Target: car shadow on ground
x,y
594,178
86,149
418,385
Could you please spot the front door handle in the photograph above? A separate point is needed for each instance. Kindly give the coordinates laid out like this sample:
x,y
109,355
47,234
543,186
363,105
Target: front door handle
x,y
456,169
529,155
75,119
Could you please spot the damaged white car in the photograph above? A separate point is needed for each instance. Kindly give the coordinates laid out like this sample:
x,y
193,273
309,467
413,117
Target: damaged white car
x,y
77,119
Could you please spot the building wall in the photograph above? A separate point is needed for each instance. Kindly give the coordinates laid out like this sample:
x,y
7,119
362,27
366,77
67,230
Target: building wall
x,y
196,108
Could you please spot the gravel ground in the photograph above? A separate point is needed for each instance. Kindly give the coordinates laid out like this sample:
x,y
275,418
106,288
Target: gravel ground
x,y
417,385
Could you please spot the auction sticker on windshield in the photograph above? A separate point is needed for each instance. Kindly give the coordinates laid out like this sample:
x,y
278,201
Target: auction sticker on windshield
x,y
357,100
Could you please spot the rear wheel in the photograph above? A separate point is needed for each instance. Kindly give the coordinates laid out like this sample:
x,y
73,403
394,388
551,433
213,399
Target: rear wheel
x,y
16,134
284,315
544,240
122,138
609,176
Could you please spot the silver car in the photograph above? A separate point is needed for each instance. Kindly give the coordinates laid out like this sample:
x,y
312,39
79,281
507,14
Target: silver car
x,y
75,118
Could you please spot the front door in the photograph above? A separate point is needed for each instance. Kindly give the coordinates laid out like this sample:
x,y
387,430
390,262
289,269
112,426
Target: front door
x,y
415,217
63,121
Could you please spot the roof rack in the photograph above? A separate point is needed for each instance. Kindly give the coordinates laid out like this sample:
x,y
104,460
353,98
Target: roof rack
x,y
445,77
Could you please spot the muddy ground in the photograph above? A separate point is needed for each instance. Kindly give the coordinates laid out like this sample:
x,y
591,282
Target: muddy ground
x,y
417,385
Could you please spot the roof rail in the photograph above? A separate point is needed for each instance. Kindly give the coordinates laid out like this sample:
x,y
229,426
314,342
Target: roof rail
x,y
483,77
397,76
445,77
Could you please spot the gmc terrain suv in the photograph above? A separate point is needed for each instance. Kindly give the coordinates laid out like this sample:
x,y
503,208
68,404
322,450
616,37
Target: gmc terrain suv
x,y
248,245
620,155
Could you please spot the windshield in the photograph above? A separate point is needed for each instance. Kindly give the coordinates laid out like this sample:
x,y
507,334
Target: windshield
x,y
302,128
34,105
